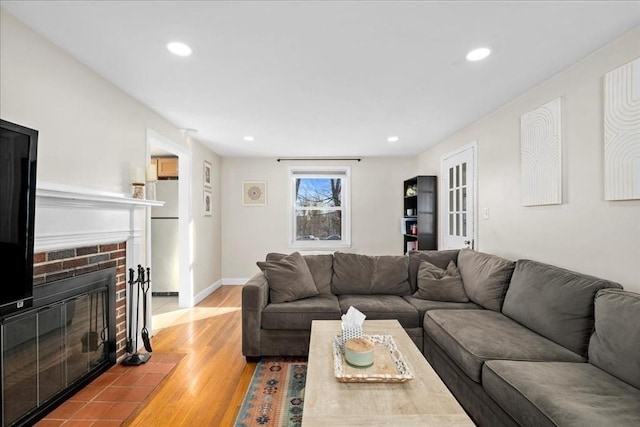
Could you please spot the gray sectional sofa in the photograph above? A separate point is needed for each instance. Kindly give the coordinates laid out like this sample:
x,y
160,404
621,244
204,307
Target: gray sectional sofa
x,y
523,343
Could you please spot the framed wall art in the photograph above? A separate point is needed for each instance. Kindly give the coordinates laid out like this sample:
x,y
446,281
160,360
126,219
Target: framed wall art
x,y
541,155
206,179
622,132
254,193
207,203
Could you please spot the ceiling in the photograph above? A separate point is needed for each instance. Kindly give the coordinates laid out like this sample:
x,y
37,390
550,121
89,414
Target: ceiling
x,y
335,78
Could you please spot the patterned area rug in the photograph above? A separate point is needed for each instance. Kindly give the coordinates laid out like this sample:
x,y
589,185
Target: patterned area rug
x,y
276,394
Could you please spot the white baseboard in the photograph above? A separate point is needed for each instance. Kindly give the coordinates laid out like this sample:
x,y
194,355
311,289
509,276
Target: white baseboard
x,y
202,295
234,281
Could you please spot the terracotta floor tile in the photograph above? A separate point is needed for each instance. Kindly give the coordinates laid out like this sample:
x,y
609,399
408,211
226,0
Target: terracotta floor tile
x,y
119,369
49,423
106,379
92,411
66,410
124,394
151,380
87,394
156,368
121,410
128,379
113,396
78,423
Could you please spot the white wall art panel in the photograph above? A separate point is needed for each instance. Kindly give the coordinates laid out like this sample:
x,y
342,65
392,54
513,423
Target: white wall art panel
x,y
540,155
622,132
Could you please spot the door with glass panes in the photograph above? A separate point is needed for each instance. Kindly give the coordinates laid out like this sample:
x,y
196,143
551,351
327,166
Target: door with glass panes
x,y
458,198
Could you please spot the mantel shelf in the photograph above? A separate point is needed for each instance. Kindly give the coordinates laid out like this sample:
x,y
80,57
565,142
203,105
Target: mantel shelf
x,y
79,195
71,217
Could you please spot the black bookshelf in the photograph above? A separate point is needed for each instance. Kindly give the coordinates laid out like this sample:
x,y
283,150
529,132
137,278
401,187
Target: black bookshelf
x,y
420,214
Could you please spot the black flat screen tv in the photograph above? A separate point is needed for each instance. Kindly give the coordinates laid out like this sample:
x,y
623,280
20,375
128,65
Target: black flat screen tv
x,y
18,152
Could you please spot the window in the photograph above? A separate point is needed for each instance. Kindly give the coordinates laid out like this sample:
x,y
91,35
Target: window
x,y
319,207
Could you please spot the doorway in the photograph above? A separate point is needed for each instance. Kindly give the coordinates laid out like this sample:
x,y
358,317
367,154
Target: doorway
x,y
458,173
158,144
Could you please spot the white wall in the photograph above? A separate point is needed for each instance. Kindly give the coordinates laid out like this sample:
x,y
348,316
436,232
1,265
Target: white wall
x,y
585,233
92,133
249,233
207,242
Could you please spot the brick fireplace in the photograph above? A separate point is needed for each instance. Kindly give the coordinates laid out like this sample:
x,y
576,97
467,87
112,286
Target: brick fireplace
x,y
85,241
61,264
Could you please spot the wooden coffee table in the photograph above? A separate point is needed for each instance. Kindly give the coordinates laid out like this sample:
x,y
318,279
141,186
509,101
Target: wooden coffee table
x,y
421,401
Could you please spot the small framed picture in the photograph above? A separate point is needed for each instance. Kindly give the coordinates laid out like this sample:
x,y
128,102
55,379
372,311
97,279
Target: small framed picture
x,y
207,203
254,193
207,174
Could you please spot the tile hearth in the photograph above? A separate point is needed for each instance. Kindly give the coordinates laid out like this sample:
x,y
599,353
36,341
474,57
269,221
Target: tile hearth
x,y
114,396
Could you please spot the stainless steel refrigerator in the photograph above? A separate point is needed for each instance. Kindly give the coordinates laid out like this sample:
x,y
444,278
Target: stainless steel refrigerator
x,y
164,239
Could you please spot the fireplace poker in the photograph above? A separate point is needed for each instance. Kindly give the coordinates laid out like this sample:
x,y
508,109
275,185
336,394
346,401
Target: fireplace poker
x,y
140,282
129,347
145,289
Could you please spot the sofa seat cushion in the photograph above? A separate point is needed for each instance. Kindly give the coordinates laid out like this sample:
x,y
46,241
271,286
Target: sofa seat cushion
x,y
471,337
424,305
561,394
299,314
380,307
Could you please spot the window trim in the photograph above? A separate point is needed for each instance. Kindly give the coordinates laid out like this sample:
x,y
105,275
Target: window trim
x,y
320,171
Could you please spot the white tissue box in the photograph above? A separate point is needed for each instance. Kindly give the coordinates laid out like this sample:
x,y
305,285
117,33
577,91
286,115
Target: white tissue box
x,y
349,333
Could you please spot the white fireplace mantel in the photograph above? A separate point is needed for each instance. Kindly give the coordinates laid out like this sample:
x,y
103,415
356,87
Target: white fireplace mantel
x,y
71,217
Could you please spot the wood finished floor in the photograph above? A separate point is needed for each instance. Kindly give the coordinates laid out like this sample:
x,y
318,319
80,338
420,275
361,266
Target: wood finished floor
x,y
208,385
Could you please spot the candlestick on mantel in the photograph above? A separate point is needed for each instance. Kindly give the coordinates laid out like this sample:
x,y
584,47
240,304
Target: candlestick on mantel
x,y
137,182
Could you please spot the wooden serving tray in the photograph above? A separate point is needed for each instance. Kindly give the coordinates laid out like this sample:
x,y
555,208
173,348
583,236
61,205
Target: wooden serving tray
x,y
388,365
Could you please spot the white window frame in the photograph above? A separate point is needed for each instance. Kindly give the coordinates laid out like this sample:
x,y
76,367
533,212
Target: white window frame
x,y
344,172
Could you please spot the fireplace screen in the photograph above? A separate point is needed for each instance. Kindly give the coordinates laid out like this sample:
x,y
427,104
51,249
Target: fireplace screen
x,y
52,348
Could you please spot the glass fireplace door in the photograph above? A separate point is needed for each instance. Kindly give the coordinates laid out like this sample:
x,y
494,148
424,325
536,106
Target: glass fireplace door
x,y
46,350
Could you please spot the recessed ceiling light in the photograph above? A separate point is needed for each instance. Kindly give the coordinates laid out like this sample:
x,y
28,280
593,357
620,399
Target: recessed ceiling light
x,y
179,49
478,54
393,139
248,138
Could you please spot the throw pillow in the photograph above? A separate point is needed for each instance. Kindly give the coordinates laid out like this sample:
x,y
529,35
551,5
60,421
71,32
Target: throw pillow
x,y
289,278
321,267
438,258
437,284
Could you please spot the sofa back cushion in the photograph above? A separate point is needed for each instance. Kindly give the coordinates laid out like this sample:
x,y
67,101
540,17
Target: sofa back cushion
x,y
554,302
321,267
289,278
369,275
438,258
486,277
615,343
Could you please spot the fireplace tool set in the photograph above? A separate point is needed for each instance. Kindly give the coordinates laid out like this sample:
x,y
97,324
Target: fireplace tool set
x,y
142,283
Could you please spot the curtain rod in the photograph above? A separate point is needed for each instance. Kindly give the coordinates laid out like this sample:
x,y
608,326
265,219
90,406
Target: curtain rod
x,y
328,159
